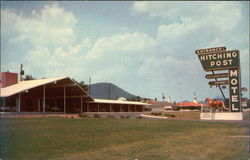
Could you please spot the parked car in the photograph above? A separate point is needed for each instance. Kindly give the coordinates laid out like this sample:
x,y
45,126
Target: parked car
x,y
6,109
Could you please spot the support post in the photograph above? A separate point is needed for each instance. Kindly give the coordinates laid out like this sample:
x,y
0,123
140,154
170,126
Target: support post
x,y
87,107
81,104
19,104
98,107
43,98
64,99
110,109
38,104
55,103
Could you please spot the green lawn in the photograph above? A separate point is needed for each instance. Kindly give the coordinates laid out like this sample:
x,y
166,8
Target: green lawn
x,y
121,139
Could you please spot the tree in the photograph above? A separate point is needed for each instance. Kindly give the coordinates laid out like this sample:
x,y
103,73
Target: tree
x,y
135,98
29,77
82,85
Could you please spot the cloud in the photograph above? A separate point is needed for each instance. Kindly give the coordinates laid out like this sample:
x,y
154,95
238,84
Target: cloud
x,y
119,56
60,60
170,10
178,10
8,20
51,26
13,66
115,56
124,45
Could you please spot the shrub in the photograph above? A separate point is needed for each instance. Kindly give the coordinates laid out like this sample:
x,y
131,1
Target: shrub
x,y
110,116
82,115
97,116
156,113
139,117
170,115
124,116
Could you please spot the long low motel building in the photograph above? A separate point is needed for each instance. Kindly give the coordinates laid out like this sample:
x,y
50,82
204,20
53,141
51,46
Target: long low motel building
x,y
60,94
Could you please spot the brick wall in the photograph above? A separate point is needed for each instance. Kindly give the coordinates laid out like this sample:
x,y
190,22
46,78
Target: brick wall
x,y
9,79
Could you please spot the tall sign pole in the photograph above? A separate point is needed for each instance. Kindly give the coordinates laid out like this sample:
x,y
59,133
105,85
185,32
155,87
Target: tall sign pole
x,y
220,88
218,58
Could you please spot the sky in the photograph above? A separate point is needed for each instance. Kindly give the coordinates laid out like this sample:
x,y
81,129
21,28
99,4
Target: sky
x,y
147,48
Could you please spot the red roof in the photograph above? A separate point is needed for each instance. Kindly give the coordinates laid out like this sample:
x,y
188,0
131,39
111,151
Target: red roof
x,y
188,104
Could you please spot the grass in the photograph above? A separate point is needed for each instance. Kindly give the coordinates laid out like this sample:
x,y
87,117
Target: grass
x,y
119,138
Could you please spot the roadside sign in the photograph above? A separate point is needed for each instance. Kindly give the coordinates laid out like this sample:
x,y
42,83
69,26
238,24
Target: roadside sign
x,y
213,76
217,58
220,60
213,83
210,50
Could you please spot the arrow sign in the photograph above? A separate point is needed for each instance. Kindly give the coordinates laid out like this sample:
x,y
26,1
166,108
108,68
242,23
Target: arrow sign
x,y
213,83
213,76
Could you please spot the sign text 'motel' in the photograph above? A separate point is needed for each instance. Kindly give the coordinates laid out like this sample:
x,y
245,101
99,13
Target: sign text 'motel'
x,y
234,89
219,61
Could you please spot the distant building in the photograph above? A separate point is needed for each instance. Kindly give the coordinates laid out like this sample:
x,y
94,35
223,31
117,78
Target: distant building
x,y
160,106
189,105
245,103
60,94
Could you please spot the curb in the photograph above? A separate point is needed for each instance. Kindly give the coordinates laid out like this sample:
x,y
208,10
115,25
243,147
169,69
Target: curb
x,y
158,117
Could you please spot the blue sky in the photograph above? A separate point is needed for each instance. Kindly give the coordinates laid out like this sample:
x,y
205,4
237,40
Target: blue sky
x,y
147,48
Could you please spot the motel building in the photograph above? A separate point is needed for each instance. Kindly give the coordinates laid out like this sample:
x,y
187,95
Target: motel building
x,y
60,95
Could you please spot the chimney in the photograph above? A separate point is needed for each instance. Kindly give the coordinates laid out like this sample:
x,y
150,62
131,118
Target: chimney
x,y
9,79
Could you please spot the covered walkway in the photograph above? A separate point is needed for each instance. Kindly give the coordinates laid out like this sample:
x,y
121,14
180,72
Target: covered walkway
x,y
45,95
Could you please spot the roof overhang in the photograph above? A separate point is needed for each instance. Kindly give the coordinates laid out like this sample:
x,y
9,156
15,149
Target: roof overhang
x,y
24,86
118,102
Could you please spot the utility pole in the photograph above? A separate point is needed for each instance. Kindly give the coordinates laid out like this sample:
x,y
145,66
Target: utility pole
x,y
89,86
109,90
163,97
181,94
21,72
